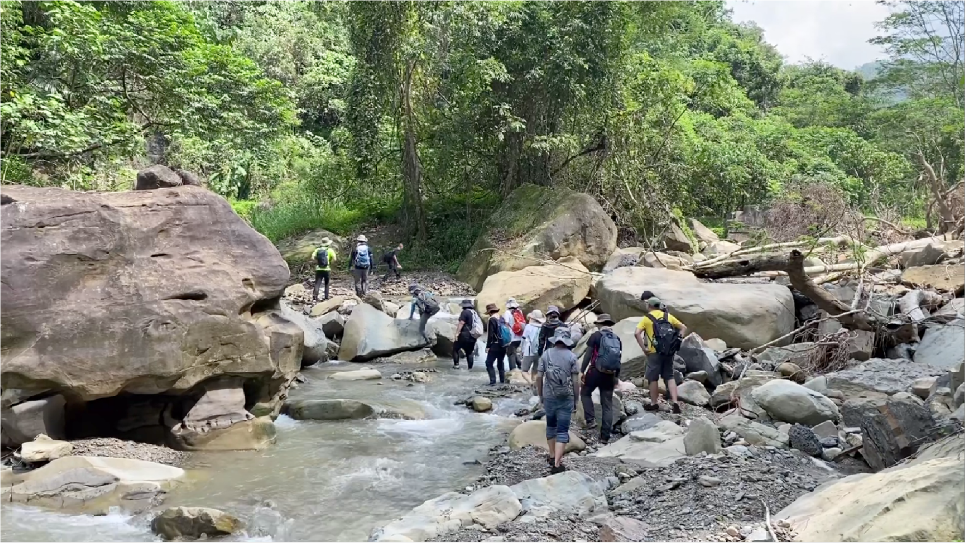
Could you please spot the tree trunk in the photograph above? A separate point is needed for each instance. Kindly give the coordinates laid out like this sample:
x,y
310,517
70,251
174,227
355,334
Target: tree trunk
x,y
936,185
414,212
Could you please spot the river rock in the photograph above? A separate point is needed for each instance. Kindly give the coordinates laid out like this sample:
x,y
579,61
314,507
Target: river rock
x,y
702,436
328,409
793,372
693,393
918,501
533,432
697,356
942,346
537,287
568,493
624,529
879,377
23,422
633,363
442,328
675,239
370,333
790,402
618,411
190,523
754,433
254,434
326,306
717,345
658,446
538,223
891,429
156,177
718,248
662,260
364,374
481,404
44,449
730,390
159,293
317,346
804,439
621,258
332,323
702,233
930,254
741,315
639,422
799,354
924,386
486,507
93,485
939,277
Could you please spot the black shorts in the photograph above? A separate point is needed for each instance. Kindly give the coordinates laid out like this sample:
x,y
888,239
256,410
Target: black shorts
x,y
659,366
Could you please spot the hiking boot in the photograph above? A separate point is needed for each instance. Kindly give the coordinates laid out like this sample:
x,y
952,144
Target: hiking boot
x,y
557,469
455,366
676,408
651,407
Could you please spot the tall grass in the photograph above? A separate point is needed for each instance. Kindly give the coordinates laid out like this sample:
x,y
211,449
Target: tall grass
x,y
295,216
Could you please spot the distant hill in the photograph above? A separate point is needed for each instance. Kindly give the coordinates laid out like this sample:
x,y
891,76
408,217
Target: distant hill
x,y
869,70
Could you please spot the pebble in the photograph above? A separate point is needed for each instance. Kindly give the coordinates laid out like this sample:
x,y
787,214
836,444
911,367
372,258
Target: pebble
x,y
709,481
733,531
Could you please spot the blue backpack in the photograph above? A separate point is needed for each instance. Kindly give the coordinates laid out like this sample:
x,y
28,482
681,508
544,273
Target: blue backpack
x,y
363,258
505,333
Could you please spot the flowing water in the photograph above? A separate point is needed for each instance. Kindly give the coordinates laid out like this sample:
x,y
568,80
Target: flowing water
x,y
321,481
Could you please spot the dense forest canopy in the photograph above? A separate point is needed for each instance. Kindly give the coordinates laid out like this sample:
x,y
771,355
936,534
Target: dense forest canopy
x,y
429,113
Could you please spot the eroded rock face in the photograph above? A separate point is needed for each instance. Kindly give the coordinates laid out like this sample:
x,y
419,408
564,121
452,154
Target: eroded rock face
x,y
541,223
142,292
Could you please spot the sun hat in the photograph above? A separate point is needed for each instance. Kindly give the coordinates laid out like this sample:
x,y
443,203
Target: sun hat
x,y
361,238
604,319
553,309
466,304
536,315
326,241
512,303
562,336
491,308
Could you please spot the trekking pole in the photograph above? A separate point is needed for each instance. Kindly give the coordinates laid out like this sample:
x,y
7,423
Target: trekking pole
x,y
586,310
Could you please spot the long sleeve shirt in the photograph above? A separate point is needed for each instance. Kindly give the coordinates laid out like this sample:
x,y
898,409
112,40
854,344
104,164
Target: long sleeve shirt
x,y
546,332
493,341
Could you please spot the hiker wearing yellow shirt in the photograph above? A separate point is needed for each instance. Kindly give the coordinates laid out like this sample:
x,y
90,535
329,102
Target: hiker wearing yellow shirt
x,y
323,258
658,334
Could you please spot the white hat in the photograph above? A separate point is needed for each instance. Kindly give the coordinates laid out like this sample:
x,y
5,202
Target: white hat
x,y
512,303
361,238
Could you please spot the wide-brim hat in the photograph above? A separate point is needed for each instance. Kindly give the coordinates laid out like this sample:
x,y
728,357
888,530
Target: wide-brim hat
x,y
604,319
536,315
466,304
512,303
326,242
414,287
563,337
361,238
491,308
553,309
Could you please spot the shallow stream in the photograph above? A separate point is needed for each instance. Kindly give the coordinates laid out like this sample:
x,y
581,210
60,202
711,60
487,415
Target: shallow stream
x,y
321,481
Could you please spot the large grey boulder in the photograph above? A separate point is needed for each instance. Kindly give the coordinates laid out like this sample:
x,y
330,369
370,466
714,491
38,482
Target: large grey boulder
x,y
142,292
317,346
569,493
675,239
916,501
24,422
702,436
942,346
787,401
699,357
486,508
370,333
341,409
702,233
622,258
658,446
157,177
633,362
190,523
739,389
693,393
537,287
541,223
221,406
879,377
891,429
741,315
754,433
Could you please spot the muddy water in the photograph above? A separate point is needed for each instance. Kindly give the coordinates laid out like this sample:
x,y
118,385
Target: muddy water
x,y
322,481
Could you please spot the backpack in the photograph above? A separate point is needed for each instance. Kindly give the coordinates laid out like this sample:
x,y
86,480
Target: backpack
x,y
477,327
321,257
558,378
665,335
363,257
428,304
609,353
505,333
519,322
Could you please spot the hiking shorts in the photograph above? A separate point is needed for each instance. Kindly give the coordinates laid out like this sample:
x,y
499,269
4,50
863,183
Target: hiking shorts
x,y
558,414
659,366
529,361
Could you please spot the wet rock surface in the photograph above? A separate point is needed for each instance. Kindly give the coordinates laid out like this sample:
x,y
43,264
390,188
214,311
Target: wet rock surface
x,y
118,448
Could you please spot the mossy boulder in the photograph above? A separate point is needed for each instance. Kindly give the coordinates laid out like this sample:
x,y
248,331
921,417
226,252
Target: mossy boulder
x,y
541,223
298,249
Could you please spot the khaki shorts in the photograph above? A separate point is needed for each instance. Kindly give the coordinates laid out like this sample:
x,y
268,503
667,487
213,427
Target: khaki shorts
x,y
529,362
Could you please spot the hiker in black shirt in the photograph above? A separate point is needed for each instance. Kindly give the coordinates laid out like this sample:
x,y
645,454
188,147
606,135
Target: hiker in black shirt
x,y
391,259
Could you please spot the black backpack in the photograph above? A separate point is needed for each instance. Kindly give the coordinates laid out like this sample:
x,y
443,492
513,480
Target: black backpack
x,y
609,353
321,256
665,335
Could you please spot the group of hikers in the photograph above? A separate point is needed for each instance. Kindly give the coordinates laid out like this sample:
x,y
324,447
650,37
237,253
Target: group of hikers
x,y
541,346
361,264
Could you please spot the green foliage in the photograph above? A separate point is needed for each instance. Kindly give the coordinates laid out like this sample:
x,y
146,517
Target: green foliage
x,y
293,216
